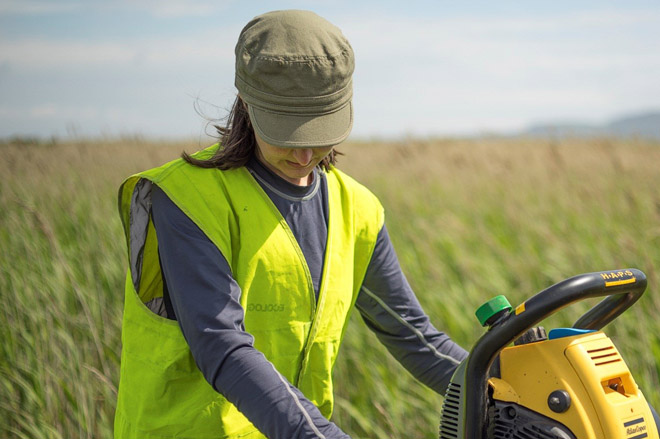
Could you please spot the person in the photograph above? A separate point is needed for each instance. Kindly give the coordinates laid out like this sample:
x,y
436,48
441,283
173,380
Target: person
x,y
246,258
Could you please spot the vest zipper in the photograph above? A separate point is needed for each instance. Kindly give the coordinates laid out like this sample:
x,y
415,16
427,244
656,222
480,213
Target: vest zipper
x,y
318,309
314,325
310,285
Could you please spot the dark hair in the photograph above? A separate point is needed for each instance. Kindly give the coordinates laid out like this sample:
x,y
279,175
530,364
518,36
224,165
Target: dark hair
x,y
238,143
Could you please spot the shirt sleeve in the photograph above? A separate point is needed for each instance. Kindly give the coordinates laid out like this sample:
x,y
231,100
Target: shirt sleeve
x,y
390,309
206,301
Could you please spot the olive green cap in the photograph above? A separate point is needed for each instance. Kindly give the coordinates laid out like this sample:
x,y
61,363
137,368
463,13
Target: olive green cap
x,y
294,71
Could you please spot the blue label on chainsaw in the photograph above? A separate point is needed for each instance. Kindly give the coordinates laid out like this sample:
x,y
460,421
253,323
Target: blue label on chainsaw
x,y
567,332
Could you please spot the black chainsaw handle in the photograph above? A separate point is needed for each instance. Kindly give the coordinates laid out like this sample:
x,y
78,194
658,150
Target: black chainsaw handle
x,y
623,288
631,285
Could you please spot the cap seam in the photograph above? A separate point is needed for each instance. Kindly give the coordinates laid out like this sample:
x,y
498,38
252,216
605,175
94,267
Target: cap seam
x,y
259,95
284,113
297,58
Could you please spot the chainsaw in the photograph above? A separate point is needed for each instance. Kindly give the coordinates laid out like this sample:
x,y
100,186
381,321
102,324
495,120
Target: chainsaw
x,y
569,383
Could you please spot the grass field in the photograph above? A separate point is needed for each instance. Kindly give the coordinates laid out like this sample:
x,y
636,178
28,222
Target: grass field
x,y
470,219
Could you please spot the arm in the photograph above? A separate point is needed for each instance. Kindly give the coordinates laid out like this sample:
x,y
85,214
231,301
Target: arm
x,y
391,310
205,298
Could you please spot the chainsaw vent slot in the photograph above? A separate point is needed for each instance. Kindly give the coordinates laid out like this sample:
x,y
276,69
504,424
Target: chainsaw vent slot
x,y
449,424
606,355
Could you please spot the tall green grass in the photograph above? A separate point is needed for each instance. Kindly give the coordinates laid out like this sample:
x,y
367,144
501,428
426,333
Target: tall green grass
x,y
470,219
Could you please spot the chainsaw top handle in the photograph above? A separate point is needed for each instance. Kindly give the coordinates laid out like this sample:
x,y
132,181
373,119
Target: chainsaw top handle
x,y
622,288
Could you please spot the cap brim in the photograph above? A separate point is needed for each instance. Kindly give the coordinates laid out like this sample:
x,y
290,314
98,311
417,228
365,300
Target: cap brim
x,y
302,131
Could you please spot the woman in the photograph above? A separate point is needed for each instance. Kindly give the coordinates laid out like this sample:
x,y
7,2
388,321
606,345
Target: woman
x,y
246,259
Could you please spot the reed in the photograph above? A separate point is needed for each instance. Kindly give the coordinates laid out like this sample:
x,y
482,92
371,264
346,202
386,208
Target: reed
x,y
469,218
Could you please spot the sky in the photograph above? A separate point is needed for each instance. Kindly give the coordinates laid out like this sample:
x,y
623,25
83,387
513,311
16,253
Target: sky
x,y
161,68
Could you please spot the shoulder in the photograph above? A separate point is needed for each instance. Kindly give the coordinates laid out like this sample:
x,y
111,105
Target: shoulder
x,y
367,211
178,167
351,188
348,183
163,171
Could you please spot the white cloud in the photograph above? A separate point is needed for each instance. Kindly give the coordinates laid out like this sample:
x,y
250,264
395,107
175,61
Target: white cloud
x,y
27,7
592,65
428,74
76,55
93,119
177,8
50,110
45,54
156,8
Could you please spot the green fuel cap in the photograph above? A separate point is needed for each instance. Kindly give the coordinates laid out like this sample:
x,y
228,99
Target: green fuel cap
x,y
491,308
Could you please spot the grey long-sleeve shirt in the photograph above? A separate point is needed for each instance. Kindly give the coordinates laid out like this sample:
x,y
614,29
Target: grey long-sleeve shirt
x,y
206,302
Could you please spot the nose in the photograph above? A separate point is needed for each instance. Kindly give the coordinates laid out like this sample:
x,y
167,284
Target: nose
x,y
303,155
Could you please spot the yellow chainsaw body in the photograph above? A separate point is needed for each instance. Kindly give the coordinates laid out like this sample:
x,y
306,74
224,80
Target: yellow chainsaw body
x,y
605,402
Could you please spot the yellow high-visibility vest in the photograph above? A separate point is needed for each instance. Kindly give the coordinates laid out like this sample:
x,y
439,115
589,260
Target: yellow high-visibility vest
x,y
162,393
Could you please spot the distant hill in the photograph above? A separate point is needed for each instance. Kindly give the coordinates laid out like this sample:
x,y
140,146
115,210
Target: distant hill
x,y
645,125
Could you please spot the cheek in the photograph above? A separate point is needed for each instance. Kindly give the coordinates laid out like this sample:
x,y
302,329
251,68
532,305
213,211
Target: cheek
x,y
275,156
323,154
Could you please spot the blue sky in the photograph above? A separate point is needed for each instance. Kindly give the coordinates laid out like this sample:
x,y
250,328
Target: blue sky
x,y
92,67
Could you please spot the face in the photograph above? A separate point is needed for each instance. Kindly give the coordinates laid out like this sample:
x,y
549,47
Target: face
x,y
295,165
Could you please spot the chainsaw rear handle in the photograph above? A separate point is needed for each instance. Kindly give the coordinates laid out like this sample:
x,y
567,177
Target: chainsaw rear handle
x,y
622,288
